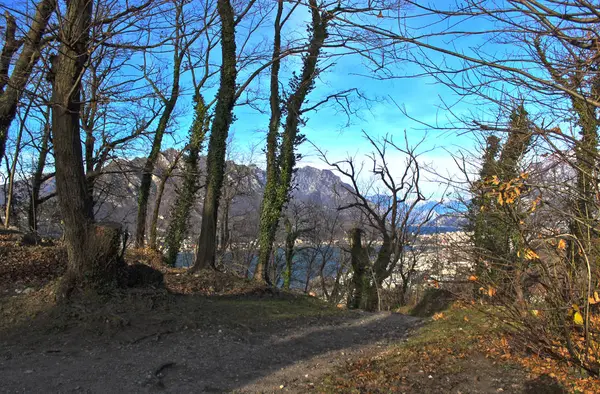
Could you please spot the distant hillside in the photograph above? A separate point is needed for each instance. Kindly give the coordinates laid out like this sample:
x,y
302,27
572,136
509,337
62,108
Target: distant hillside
x,y
116,192
116,196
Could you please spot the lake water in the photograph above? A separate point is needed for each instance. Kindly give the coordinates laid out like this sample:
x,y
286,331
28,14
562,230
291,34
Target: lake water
x,y
301,267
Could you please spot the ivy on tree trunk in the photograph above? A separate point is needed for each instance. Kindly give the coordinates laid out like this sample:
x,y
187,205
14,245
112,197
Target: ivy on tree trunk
x,y
280,167
217,145
186,196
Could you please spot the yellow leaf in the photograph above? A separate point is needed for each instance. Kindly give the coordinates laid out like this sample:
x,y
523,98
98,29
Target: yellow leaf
x,y
500,200
466,318
578,319
591,300
596,297
438,316
531,255
562,245
535,312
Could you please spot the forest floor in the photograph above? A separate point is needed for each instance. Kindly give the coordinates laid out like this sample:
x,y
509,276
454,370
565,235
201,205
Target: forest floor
x,y
216,333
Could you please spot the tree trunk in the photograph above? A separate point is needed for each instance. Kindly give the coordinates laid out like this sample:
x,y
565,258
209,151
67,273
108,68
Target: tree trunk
x,y
290,240
36,183
224,232
205,256
377,274
11,178
11,89
93,250
403,291
279,180
268,216
146,181
156,212
583,224
158,200
358,293
186,196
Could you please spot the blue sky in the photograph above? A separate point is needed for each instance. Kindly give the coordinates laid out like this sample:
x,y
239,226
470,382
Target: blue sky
x,y
423,99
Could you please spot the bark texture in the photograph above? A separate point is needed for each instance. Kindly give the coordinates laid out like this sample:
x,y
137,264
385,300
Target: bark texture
x,y
217,145
93,250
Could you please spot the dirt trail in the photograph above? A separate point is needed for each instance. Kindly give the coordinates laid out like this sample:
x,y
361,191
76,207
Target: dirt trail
x,y
238,359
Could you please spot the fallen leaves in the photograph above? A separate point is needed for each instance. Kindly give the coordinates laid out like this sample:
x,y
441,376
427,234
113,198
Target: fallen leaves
x,y
438,316
24,266
594,299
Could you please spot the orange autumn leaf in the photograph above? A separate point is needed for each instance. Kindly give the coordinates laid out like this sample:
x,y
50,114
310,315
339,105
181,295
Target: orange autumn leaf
x,y
562,245
530,255
472,278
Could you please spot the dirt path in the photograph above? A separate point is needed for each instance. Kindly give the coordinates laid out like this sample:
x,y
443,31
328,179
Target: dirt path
x,y
238,359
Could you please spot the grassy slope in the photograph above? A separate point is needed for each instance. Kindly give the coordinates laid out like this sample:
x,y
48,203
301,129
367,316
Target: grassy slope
x,y
461,350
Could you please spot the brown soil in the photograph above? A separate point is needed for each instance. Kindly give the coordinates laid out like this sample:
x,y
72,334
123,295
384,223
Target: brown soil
x,y
148,341
210,332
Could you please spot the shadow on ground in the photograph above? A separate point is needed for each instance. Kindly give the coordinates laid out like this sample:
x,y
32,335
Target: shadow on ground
x,y
182,343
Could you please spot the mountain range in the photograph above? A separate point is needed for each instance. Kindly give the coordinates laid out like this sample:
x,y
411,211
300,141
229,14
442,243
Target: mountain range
x,y
116,195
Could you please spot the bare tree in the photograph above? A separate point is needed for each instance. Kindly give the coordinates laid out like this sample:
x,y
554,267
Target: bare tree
x,y
390,203
13,86
180,49
164,177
